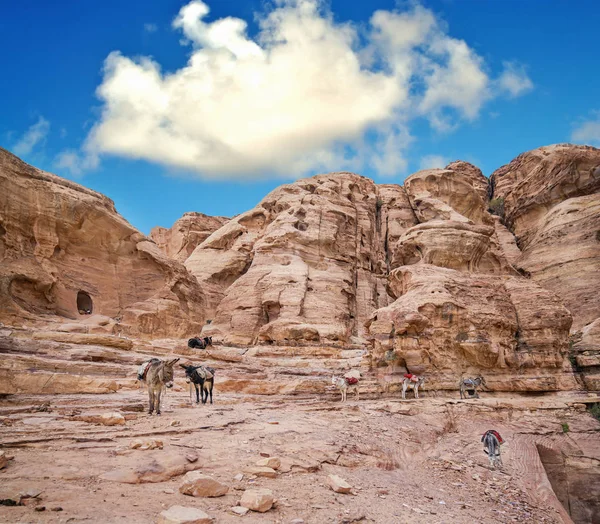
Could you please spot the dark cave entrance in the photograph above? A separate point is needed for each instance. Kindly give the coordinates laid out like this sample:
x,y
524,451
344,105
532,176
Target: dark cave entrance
x,y
85,305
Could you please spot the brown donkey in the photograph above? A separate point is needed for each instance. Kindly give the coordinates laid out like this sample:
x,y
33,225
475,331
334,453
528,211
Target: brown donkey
x,y
159,376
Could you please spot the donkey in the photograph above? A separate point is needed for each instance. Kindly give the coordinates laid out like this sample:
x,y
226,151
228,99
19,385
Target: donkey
x,y
468,386
159,376
491,447
343,384
203,379
198,342
412,381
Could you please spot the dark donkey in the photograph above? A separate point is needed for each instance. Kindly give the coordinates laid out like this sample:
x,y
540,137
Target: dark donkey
x,y
198,342
203,379
158,377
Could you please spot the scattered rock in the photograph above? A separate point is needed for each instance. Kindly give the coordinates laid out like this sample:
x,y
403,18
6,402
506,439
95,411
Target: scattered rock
x,y
239,510
56,508
297,521
197,484
260,500
271,462
175,423
112,419
154,469
183,515
272,422
191,456
40,508
239,477
338,484
148,444
261,471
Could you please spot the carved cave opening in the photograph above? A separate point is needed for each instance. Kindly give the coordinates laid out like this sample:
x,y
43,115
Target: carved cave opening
x,y
85,305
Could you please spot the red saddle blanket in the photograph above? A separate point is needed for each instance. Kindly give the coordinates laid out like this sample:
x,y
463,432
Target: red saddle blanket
x,y
411,377
495,433
351,381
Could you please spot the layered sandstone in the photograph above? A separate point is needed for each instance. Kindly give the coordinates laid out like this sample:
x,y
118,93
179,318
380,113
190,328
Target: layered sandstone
x,y
307,265
551,200
180,240
66,253
460,306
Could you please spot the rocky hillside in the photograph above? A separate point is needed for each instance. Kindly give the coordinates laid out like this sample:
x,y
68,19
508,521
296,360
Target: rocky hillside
x,y
451,273
71,262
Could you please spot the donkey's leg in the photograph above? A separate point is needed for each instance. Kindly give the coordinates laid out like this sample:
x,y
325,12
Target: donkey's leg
x,y
158,393
150,401
357,392
212,383
198,391
416,390
404,386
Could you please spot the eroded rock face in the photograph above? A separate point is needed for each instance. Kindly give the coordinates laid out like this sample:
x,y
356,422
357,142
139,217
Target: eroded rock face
x,y
551,199
307,265
180,240
66,253
461,306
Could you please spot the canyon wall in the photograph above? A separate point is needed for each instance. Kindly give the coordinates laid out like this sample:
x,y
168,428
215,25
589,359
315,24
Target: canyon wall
x,y
70,260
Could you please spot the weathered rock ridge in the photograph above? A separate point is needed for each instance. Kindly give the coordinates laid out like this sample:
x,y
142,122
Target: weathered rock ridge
x,y
66,253
551,200
420,278
180,240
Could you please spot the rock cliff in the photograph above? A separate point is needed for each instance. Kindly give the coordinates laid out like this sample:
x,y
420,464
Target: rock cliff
x,y
180,240
70,260
551,201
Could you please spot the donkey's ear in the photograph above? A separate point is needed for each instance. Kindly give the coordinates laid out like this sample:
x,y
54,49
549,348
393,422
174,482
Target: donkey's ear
x,y
183,366
172,362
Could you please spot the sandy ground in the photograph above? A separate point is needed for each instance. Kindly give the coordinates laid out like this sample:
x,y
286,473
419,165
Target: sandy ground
x,y
407,461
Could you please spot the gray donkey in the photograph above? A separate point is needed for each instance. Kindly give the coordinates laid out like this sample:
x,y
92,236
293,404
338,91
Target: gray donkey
x,y
468,386
491,447
159,376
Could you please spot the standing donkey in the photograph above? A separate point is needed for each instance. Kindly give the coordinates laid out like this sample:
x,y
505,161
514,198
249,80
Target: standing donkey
x,y
468,386
159,376
203,379
412,381
491,447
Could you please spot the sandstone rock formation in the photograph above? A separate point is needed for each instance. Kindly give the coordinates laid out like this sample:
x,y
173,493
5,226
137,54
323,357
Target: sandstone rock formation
x,y
65,253
307,265
179,241
551,200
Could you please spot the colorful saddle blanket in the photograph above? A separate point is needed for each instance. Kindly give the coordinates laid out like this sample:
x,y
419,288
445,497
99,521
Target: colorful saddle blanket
x,y
351,381
495,433
411,377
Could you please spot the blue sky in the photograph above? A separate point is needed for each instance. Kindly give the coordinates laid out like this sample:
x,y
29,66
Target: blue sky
x,y
332,87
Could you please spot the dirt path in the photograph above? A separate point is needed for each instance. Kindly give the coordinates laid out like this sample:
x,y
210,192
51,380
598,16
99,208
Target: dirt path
x,y
406,461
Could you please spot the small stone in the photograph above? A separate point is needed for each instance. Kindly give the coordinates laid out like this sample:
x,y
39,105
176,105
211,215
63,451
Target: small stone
x,y
270,462
183,515
112,419
169,491
338,484
239,510
191,457
197,484
261,471
239,477
260,500
475,476
40,508
297,521
272,422
264,454
175,423
56,508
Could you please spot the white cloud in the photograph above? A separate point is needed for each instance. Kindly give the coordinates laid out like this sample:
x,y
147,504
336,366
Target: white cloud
x,y
588,132
150,28
514,80
77,163
32,137
305,94
433,161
